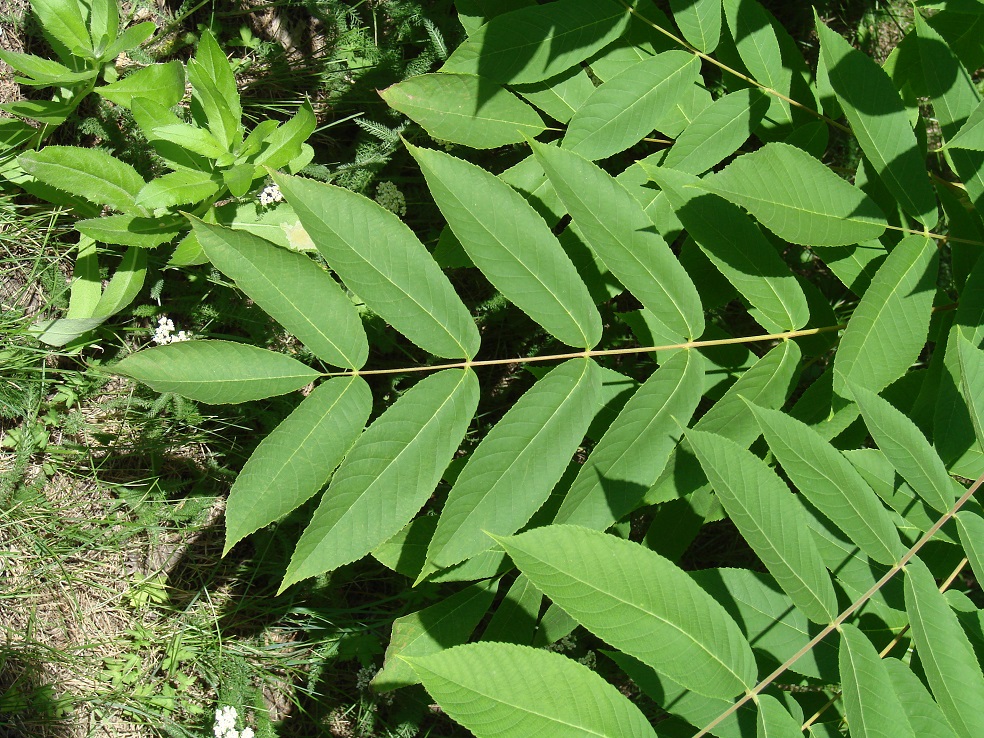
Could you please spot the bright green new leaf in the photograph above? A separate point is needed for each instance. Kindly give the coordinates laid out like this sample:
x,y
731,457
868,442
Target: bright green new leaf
x,y
501,690
285,143
831,484
197,140
628,106
381,260
541,41
618,230
131,230
771,520
871,703
131,38
464,109
388,474
447,623
210,108
639,602
906,448
945,652
216,372
717,132
514,468
736,246
292,289
774,721
177,188
292,463
971,528
561,96
798,198
163,83
104,23
699,21
880,123
63,20
635,448
92,174
925,716
512,246
888,328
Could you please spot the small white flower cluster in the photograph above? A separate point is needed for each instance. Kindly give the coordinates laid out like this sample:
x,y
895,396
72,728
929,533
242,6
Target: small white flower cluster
x,y
225,724
165,329
389,196
271,194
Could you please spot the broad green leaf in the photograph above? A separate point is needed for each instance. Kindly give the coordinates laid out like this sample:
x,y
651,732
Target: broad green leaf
x,y
131,38
131,230
561,96
380,259
639,602
151,116
624,109
86,286
798,198
293,290
880,123
50,112
14,133
758,47
831,484
473,14
774,721
736,246
447,623
699,21
717,131
91,174
286,142
634,450
292,463
197,140
239,179
945,652
63,20
889,326
216,372
971,133
515,618
127,281
511,473
61,331
163,83
971,527
43,72
770,519
539,42
512,246
924,715
855,266
906,448
871,703
770,621
177,188
388,474
501,690
617,228
465,110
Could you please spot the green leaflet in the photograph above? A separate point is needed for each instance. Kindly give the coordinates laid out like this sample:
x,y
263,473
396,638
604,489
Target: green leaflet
x,y
699,21
515,618
798,198
872,706
381,260
771,520
388,474
473,14
513,470
622,235
945,652
131,230
177,188
539,42
971,527
163,83
561,96
924,715
464,109
717,132
624,109
955,430
880,123
822,475
512,246
216,372
774,721
501,690
889,326
639,602
447,623
971,133
635,448
758,47
738,249
292,463
907,449
91,174
292,289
